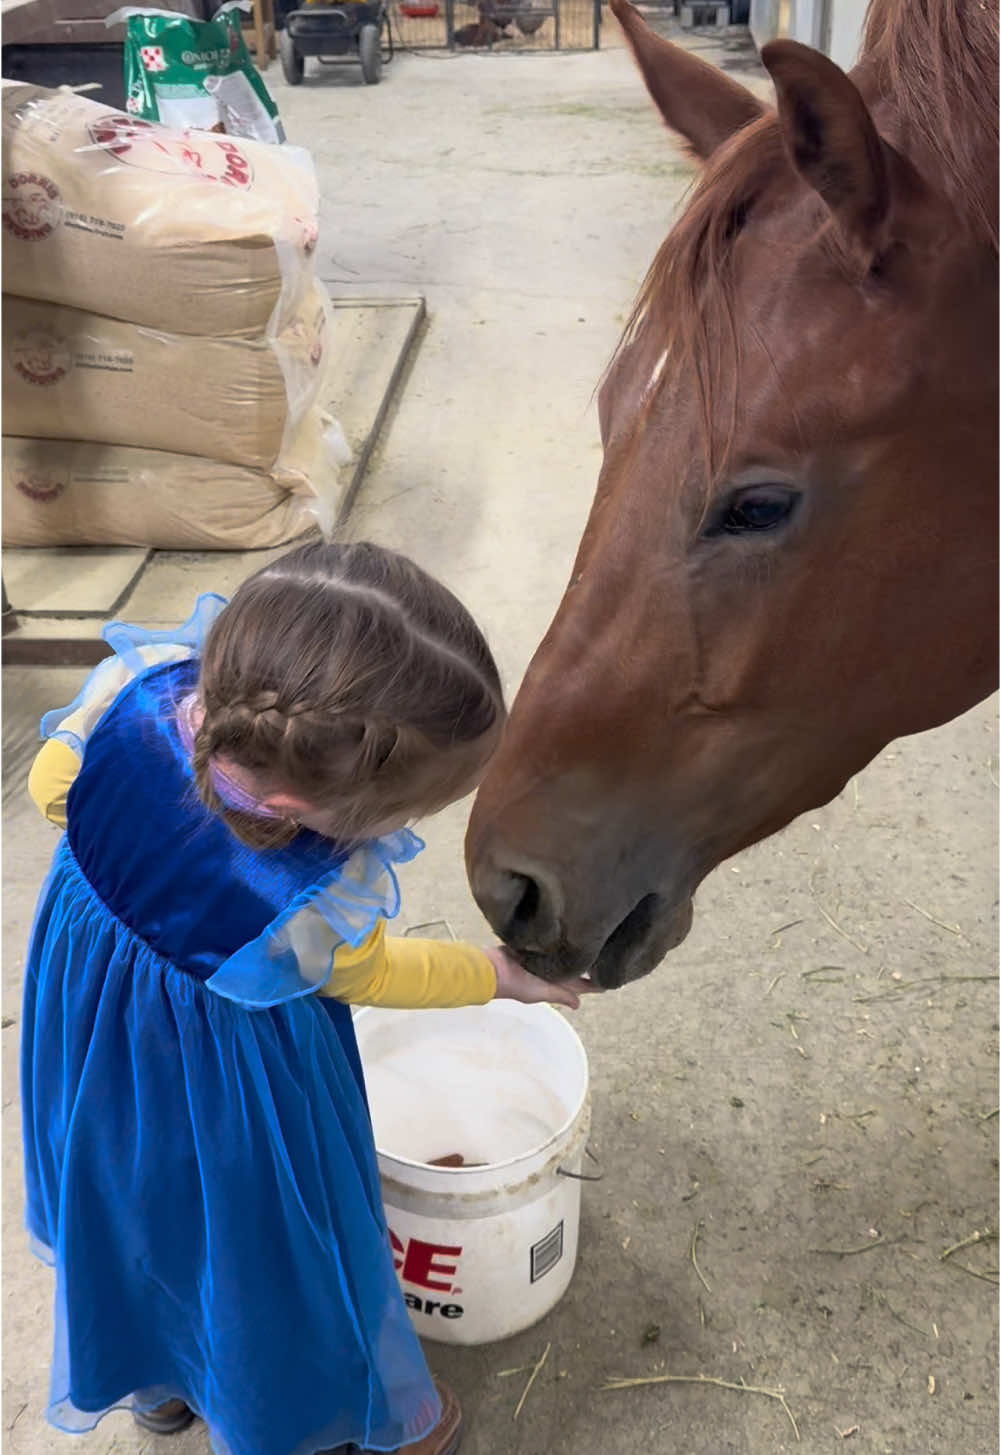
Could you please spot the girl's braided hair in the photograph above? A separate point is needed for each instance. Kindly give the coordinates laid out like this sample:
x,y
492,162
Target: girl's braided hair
x,y
342,674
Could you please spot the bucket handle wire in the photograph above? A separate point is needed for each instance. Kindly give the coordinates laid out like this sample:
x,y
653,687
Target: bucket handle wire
x,y
583,1176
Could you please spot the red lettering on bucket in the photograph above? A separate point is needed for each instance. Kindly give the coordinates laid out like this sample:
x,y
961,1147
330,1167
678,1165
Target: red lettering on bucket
x,y
420,1263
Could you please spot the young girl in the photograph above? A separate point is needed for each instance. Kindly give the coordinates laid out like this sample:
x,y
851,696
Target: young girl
x,y
200,1163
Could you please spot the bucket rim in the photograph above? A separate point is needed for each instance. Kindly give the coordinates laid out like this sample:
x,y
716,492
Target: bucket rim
x,y
509,1162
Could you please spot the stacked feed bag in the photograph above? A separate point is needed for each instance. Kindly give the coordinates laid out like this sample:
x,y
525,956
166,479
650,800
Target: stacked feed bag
x,y
164,334
64,493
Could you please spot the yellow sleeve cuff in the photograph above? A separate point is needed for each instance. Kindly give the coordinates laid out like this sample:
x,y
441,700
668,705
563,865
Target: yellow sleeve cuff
x,y
410,974
51,779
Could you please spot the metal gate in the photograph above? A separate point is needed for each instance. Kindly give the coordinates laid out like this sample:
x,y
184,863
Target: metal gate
x,y
496,25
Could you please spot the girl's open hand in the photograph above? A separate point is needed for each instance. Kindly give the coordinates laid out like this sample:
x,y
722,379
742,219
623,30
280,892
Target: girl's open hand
x,y
515,983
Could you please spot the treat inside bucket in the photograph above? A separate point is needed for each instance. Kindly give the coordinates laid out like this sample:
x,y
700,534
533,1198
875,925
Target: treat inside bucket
x,y
471,1091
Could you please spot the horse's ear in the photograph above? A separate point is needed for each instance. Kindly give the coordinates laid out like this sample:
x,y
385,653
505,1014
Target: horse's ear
x,y
694,98
832,143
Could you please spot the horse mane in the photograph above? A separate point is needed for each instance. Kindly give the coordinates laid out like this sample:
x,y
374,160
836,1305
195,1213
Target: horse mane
x,y
937,62
687,296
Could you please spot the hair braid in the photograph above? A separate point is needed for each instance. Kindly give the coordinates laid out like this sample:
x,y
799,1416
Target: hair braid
x,y
344,675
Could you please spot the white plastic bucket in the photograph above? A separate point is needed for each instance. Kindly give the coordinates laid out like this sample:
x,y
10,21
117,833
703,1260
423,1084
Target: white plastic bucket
x,y
482,1251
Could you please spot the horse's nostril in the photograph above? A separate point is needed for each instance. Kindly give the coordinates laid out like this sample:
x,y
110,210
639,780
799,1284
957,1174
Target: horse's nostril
x,y
527,906
521,906
627,937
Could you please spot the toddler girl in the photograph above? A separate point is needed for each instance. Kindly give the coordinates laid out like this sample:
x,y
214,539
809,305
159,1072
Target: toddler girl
x,y
200,1163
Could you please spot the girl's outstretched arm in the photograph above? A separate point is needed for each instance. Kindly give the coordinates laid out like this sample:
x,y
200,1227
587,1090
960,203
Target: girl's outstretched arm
x,y
405,974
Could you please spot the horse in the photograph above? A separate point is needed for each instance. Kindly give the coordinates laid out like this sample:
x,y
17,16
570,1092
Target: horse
x,y
791,557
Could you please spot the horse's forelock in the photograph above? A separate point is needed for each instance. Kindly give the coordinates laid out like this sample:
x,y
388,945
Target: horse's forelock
x,y
686,302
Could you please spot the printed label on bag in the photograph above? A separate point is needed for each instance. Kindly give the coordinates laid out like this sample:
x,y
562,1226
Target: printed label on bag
x,y
114,361
41,487
32,208
155,148
41,357
101,226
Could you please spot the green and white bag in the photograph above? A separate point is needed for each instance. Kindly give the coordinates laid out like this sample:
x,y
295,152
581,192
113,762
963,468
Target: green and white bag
x,y
196,73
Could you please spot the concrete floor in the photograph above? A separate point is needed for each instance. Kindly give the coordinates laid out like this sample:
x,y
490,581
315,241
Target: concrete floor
x,y
777,1111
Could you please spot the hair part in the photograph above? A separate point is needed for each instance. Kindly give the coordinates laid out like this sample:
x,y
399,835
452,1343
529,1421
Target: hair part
x,y
346,676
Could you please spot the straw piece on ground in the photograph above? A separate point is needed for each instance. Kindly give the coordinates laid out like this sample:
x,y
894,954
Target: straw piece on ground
x,y
741,1388
858,1119
531,1380
824,975
933,919
989,1276
979,1235
838,929
924,981
884,1302
850,1252
695,1238
782,928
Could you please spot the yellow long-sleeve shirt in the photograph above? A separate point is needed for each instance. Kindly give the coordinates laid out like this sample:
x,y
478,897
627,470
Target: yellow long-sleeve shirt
x,y
400,974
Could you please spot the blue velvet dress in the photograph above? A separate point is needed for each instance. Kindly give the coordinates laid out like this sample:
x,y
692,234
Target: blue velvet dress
x,y
199,1159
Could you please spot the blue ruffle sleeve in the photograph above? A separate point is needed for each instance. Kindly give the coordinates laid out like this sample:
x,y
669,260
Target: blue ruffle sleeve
x,y
135,649
295,954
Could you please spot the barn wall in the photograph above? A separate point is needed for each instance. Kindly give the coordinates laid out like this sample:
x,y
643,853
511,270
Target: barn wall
x,y
832,26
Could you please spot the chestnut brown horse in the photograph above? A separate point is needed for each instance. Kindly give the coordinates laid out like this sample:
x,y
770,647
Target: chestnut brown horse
x,y
792,555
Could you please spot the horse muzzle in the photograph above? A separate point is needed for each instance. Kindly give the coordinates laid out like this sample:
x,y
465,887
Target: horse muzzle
x,y
528,910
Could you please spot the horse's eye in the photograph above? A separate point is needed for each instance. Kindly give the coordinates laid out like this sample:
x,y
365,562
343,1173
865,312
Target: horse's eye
x,y
755,509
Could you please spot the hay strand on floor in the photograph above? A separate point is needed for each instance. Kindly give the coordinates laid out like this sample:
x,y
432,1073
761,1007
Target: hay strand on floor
x,y
838,929
531,1380
990,1276
979,1235
922,984
776,935
934,920
776,1394
851,1252
695,1238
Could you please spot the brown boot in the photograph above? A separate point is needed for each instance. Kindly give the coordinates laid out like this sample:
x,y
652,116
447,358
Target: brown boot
x,y
444,1439
167,1419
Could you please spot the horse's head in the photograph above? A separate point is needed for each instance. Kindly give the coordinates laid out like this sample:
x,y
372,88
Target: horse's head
x,y
791,557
